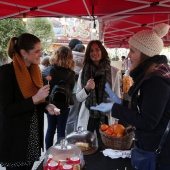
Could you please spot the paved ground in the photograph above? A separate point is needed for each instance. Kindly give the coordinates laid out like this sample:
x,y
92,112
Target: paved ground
x,y
36,163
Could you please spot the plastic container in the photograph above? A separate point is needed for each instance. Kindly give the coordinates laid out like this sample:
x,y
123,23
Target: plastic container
x,y
127,82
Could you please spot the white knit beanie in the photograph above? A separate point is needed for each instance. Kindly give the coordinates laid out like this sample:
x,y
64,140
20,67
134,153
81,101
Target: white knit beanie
x,y
149,42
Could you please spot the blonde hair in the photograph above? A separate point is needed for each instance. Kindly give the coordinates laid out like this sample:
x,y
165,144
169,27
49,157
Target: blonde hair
x,y
63,57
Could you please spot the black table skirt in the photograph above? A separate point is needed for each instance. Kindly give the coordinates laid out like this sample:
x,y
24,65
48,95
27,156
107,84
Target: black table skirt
x,y
98,161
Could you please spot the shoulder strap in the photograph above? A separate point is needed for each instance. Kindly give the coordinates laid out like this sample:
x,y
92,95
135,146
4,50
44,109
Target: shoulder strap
x,y
158,151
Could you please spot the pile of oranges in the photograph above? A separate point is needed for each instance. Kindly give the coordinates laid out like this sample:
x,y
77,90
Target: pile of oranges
x,y
116,130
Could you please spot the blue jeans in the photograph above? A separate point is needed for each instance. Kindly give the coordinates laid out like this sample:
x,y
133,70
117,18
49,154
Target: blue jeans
x,y
56,122
73,115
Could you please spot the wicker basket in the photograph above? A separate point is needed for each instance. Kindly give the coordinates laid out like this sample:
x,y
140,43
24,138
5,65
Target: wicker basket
x,y
119,143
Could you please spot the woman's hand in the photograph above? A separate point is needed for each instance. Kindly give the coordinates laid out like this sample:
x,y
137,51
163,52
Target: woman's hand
x,y
42,93
103,107
52,109
90,85
112,96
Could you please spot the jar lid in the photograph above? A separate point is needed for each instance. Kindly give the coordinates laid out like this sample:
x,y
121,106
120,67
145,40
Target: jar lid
x,y
53,165
66,167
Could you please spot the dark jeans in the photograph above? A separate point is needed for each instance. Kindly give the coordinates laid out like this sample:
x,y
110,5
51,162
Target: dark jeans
x,y
20,168
95,123
56,122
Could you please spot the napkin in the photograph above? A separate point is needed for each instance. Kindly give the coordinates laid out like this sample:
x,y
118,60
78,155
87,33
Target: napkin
x,y
114,154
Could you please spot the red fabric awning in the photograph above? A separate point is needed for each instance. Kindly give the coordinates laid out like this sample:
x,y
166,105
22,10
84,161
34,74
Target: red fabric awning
x,y
119,19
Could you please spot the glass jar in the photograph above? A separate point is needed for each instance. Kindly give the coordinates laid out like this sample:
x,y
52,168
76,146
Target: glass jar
x,y
62,154
84,139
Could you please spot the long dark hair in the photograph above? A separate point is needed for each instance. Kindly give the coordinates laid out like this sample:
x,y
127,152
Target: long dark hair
x,y
25,41
102,48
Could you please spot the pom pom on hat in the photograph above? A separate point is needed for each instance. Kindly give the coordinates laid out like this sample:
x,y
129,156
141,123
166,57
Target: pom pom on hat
x,y
161,29
149,42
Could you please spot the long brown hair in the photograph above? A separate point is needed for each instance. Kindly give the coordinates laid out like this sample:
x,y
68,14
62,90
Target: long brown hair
x,y
143,57
102,48
25,41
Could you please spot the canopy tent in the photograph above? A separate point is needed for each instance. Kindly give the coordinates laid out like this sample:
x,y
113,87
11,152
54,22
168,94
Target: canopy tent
x,y
118,19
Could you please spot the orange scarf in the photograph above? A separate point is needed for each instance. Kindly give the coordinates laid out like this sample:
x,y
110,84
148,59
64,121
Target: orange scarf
x,y
29,82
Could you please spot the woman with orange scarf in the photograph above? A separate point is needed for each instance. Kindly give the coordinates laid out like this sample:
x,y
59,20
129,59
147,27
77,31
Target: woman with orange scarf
x,y
22,104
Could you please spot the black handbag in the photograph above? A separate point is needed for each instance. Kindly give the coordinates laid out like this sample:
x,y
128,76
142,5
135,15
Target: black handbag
x,y
146,160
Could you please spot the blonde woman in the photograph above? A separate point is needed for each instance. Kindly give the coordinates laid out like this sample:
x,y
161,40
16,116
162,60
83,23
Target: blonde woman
x,y
61,68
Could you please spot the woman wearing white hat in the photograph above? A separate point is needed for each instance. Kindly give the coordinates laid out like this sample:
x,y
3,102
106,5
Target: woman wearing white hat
x,y
149,107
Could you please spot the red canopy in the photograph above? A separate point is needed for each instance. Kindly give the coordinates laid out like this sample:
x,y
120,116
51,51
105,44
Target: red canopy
x,y
118,19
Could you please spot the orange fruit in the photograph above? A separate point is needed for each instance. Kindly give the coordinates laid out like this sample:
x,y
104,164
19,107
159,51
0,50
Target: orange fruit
x,y
114,134
103,127
112,125
118,128
108,132
110,129
119,135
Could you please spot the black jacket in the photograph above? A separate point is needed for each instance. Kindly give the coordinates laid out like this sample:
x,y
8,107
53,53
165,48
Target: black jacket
x,y
58,74
15,115
149,113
